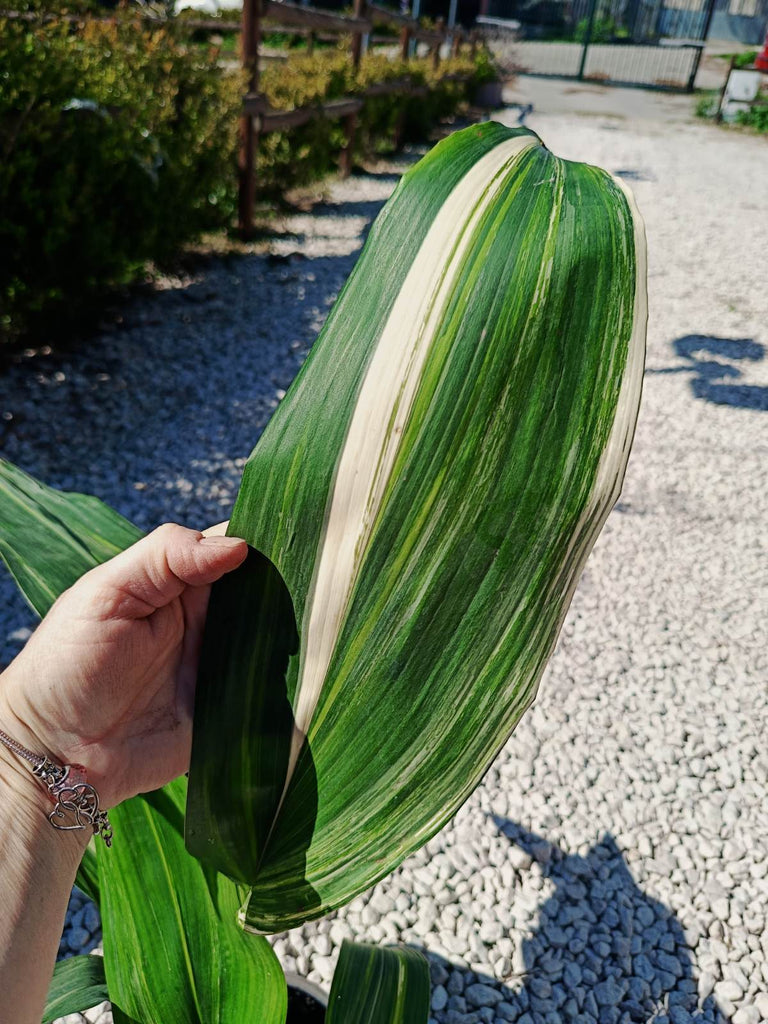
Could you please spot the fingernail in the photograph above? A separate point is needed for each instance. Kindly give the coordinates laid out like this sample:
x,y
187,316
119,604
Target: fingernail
x,y
222,542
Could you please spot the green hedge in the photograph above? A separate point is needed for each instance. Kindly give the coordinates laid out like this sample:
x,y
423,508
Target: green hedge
x,y
118,143
296,157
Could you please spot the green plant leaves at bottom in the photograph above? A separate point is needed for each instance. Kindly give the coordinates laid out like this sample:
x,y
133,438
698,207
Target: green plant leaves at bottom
x,y
379,985
118,1017
78,984
173,952
50,538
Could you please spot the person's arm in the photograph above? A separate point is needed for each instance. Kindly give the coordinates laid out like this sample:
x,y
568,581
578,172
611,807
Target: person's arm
x,y
37,871
106,681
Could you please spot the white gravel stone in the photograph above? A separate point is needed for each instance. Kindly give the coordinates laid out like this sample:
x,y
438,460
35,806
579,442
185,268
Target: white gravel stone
x,y
747,1015
729,990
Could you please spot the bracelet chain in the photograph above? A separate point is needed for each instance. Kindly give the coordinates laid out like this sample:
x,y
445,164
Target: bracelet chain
x,y
69,790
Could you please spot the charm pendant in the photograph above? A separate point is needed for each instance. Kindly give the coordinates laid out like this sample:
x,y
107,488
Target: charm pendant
x,y
75,799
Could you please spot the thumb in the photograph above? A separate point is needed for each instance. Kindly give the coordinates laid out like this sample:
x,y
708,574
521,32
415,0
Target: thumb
x,y
159,567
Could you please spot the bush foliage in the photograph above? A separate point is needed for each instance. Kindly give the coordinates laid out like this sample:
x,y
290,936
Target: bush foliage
x,y
119,142
293,158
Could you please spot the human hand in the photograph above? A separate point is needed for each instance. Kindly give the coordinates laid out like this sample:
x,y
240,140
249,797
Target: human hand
x,y
107,679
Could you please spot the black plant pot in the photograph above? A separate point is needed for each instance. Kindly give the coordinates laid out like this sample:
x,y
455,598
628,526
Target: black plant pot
x,y
306,1001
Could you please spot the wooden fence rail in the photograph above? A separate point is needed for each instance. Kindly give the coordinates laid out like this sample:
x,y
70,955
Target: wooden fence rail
x,y
257,115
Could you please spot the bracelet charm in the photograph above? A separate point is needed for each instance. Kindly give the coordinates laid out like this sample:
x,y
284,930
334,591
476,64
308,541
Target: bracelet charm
x,y
75,799
73,795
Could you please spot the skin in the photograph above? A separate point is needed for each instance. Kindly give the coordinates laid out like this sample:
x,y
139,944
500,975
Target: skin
x,y
106,681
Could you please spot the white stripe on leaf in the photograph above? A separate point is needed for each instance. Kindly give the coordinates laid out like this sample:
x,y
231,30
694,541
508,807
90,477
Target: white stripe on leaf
x,y
381,412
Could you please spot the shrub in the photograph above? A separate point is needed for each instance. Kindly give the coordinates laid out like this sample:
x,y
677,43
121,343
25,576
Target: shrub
x,y
706,104
118,144
756,118
290,159
604,30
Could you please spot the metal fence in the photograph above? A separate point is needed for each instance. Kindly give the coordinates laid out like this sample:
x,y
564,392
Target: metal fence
x,y
656,43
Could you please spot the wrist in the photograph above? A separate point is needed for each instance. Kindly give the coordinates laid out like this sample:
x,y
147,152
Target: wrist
x,y
28,805
25,794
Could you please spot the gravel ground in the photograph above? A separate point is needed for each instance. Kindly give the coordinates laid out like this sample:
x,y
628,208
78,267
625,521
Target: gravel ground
x,y
613,865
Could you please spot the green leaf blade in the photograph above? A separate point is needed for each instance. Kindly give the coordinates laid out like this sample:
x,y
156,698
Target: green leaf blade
x,y
78,984
87,879
379,985
50,538
173,951
428,490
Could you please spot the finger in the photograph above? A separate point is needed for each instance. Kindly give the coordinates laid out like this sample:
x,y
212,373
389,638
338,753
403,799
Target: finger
x,y
158,568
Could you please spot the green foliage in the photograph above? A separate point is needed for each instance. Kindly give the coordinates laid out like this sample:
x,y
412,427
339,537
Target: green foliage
x,y
88,532
173,951
741,60
293,158
375,985
756,118
118,143
706,104
78,983
604,30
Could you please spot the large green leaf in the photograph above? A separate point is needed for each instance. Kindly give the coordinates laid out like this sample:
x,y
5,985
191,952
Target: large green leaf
x,y
173,951
428,491
87,879
49,538
118,1017
78,984
379,985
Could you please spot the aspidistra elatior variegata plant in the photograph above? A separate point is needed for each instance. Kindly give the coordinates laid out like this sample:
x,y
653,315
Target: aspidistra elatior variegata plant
x,y
421,505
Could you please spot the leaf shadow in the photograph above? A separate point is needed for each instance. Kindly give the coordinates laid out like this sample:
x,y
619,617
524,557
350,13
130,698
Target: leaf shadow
x,y
714,380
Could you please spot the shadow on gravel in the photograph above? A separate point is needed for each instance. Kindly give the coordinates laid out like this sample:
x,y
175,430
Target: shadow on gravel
x,y
714,379
602,951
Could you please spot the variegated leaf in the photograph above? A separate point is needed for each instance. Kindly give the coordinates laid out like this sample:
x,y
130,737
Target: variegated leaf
x,y
49,538
428,491
379,985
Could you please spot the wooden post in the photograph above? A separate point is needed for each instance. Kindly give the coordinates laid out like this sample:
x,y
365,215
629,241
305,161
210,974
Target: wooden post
x,y
310,43
472,44
405,42
249,55
439,27
587,38
456,42
357,39
345,157
721,98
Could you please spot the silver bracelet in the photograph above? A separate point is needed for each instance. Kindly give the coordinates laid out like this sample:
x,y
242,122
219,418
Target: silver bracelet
x,y
70,791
